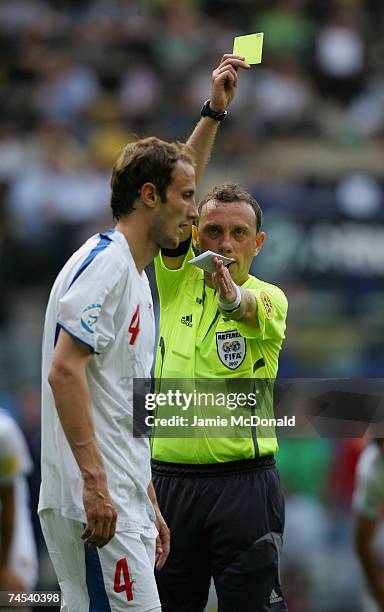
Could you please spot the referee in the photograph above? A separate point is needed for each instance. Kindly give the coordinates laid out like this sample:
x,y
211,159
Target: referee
x,y
221,497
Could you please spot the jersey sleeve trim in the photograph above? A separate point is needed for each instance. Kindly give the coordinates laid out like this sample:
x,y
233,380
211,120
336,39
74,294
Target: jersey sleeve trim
x,y
60,326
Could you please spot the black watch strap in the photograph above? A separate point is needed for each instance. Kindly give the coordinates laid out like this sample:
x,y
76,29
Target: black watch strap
x,y
206,111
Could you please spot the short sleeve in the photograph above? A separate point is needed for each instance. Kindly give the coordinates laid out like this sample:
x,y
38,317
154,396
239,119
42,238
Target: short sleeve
x,y
87,309
14,455
368,496
272,307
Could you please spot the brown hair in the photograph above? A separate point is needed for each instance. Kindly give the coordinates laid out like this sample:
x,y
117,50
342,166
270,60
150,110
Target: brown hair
x,y
148,160
232,192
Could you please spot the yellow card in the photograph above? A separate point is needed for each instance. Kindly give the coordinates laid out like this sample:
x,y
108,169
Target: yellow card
x,y
250,47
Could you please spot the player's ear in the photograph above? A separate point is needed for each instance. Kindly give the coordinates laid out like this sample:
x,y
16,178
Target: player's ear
x,y
148,195
260,238
195,237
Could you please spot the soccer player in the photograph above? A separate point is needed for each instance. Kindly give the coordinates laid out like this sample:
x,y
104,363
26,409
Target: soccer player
x,y
368,500
221,497
18,557
97,505
98,336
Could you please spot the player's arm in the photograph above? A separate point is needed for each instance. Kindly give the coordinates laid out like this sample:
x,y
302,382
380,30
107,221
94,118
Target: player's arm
x,y
8,579
163,539
69,385
364,532
234,302
223,90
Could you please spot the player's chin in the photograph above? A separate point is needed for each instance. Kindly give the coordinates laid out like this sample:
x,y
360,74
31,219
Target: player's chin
x,y
170,242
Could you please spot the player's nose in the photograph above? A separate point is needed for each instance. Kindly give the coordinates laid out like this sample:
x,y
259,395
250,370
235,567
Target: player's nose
x,y
192,210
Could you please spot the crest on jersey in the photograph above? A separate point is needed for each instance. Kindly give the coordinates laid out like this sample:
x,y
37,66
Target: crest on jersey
x,y
267,305
231,348
89,317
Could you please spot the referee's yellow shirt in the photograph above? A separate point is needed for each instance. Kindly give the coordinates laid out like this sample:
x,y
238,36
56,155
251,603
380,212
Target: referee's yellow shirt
x,y
196,341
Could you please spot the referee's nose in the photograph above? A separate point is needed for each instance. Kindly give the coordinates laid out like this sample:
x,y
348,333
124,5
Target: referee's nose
x,y
225,244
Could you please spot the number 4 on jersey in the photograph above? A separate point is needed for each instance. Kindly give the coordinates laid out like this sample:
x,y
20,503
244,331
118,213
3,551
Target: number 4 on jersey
x,y
127,584
134,326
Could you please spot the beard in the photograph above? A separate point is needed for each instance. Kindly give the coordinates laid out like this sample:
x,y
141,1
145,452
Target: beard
x,y
162,238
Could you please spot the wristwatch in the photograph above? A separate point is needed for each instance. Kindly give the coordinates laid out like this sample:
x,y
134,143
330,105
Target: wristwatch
x,y
207,111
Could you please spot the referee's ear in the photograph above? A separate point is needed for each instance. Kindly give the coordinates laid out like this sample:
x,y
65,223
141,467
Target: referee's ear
x,y
195,237
260,237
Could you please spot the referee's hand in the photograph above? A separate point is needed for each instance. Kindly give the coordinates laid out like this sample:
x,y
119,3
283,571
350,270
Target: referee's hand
x,y
101,515
222,282
224,81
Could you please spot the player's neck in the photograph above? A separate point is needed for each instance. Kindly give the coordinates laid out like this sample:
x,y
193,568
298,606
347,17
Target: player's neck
x,y
142,249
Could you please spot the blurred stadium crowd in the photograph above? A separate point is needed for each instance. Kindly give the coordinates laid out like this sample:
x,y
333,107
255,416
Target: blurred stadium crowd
x,y
305,135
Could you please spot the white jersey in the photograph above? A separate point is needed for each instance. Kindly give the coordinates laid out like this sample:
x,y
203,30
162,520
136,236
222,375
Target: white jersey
x,y
15,465
100,298
368,497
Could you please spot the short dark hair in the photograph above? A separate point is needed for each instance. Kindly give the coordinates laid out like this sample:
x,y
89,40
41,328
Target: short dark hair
x,y
149,160
232,192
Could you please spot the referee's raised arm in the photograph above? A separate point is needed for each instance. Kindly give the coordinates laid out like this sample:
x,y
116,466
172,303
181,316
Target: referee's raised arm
x,y
224,83
223,90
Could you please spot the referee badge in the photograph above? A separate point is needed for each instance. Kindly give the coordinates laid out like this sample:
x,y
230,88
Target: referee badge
x,y
231,348
267,305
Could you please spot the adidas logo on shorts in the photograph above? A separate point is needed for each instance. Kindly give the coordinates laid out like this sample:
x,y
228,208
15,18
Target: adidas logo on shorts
x,y
187,320
274,598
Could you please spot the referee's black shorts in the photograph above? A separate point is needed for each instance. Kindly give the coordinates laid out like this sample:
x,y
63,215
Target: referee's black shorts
x,y
226,521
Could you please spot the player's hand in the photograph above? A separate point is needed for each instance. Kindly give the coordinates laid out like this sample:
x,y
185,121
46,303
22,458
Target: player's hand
x,y
223,283
162,541
9,581
224,81
101,515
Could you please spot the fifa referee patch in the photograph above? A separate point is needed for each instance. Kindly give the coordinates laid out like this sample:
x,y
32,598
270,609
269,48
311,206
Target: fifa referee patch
x,y
231,348
267,305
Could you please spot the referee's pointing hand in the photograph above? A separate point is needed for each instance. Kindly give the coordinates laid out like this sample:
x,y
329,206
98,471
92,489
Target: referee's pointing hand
x,y
223,283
